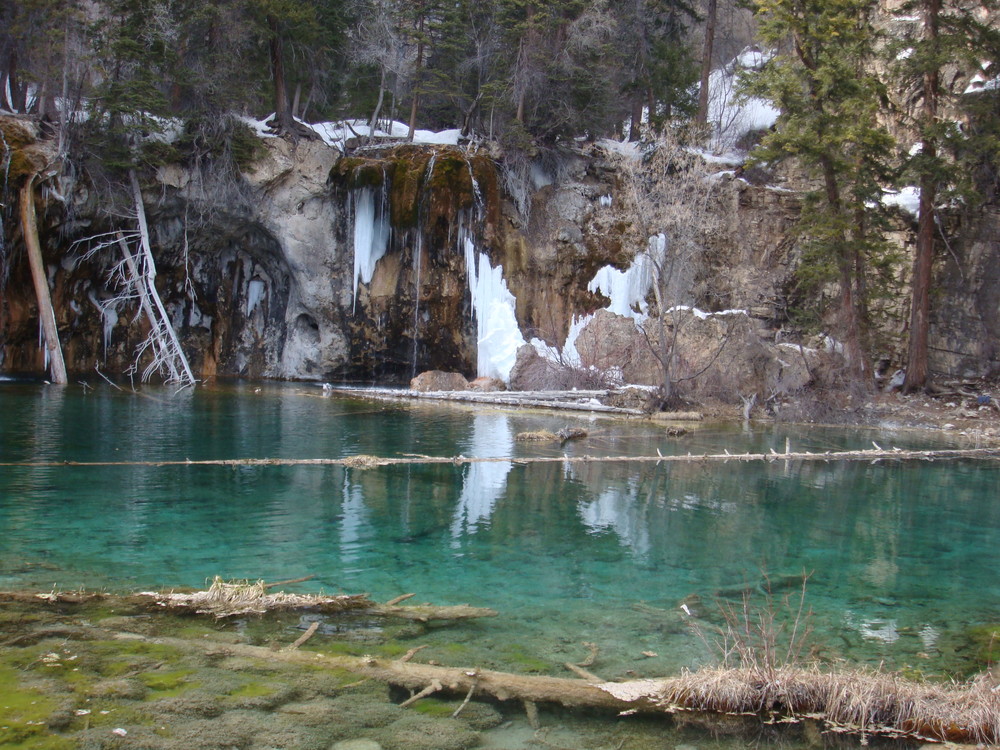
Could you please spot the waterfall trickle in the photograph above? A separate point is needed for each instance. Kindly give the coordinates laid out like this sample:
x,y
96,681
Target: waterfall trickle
x,y
417,252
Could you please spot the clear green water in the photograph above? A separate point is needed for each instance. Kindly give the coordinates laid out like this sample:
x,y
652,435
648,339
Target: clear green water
x,y
902,557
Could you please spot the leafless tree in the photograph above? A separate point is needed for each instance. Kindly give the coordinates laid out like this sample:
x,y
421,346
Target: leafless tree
x,y
669,201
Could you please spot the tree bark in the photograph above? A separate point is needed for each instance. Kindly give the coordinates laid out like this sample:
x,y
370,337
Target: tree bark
x,y
46,313
282,109
849,321
920,302
178,361
415,104
701,119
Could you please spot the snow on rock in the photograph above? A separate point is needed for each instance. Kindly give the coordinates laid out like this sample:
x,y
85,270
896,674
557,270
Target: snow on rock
x,y
979,83
628,289
907,199
731,115
371,235
498,336
337,133
702,315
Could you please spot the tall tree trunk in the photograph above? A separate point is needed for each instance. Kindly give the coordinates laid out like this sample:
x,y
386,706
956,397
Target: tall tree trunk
x,y
18,90
635,127
848,318
46,314
416,80
373,123
917,370
524,54
282,109
701,119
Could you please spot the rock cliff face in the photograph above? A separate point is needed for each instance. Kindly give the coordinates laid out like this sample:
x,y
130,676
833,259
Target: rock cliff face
x,y
375,266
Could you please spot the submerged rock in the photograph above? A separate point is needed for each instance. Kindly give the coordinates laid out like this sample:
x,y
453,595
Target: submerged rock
x,y
360,744
416,732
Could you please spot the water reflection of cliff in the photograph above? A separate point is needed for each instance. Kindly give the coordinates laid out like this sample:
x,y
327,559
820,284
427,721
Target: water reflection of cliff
x,y
483,483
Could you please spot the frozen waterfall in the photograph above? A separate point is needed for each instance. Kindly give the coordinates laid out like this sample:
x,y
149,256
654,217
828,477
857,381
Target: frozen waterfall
x,y
498,336
371,235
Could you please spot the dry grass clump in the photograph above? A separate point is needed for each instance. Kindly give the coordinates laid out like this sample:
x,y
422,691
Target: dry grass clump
x,y
861,700
363,461
541,436
230,598
763,672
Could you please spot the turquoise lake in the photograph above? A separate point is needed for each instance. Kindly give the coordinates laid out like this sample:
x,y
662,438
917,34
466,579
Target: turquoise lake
x,y
901,557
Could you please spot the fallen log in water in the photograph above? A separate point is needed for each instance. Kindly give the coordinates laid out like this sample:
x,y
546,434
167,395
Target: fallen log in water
x,y
863,701
366,461
232,598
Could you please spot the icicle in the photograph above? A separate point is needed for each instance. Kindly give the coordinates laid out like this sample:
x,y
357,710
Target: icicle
x,y
628,289
109,316
256,290
371,236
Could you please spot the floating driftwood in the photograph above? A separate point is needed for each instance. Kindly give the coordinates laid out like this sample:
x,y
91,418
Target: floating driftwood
x,y
864,701
366,461
231,598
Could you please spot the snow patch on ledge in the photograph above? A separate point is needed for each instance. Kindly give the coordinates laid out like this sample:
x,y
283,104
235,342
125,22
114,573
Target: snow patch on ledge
x,y
337,133
702,315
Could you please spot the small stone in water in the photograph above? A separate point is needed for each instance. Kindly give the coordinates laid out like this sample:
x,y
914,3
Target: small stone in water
x,y
357,745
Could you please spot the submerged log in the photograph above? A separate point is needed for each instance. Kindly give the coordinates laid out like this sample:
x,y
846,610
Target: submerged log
x,y
227,599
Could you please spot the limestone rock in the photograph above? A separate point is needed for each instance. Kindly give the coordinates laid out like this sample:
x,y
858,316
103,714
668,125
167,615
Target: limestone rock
x,y
614,342
438,380
487,385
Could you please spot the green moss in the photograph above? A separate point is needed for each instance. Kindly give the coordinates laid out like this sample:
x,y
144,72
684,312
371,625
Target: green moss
x,y
986,639
167,684
385,649
252,690
23,713
408,171
355,172
435,708
115,658
515,655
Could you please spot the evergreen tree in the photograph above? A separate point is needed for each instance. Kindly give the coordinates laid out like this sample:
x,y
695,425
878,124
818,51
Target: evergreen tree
x,y
829,101
948,35
658,71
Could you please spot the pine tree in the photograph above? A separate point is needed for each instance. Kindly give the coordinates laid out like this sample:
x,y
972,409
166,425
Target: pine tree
x,y
820,80
949,35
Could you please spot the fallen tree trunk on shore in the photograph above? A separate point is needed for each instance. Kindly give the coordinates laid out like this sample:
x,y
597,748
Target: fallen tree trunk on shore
x,y
863,701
